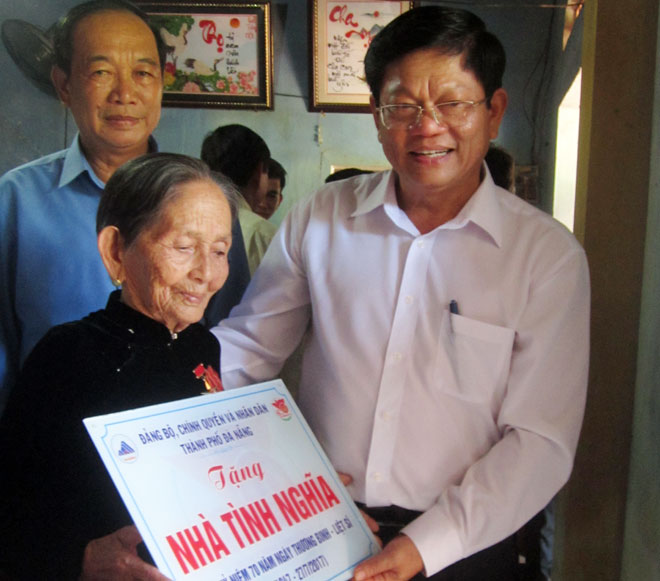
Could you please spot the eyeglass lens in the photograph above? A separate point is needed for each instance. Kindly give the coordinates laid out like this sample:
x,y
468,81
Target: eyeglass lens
x,y
454,114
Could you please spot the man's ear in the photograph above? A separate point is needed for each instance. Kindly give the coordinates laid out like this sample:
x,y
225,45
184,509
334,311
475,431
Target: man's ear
x,y
60,81
110,245
376,115
498,103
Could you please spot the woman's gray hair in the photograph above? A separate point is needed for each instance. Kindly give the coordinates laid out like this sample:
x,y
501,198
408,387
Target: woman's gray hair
x,y
138,191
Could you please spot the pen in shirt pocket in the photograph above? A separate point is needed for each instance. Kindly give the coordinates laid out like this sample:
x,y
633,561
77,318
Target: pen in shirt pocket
x,y
453,310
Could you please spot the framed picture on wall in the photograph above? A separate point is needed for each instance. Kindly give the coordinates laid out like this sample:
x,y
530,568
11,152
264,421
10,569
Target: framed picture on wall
x,y
219,53
340,33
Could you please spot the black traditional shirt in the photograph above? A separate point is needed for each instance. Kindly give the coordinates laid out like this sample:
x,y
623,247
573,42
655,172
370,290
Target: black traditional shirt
x,y
55,494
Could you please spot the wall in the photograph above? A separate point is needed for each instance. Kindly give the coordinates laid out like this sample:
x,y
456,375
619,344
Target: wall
x,y
641,554
32,124
611,500
38,125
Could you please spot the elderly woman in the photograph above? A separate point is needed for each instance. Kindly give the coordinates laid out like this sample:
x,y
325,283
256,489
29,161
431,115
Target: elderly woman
x,y
164,230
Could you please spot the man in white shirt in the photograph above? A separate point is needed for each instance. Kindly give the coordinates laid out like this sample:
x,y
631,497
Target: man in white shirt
x,y
446,366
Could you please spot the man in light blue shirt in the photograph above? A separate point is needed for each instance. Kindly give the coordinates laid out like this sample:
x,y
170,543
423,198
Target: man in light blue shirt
x,y
108,71
50,268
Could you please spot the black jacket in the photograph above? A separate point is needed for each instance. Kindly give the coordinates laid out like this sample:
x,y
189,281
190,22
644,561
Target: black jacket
x,y
55,494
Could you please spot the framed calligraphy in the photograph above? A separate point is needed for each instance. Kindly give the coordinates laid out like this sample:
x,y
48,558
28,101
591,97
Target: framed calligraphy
x,y
340,33
219,53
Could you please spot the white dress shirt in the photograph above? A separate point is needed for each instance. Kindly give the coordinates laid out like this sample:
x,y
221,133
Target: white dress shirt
x,y
472,418
257,234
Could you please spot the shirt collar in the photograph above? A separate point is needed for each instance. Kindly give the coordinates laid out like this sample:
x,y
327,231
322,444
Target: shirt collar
x,y
137,327
76,163
482,209
243,203
370,195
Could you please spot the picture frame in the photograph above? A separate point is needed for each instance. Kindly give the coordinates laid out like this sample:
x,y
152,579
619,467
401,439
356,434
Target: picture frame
x,y
340,33
219,52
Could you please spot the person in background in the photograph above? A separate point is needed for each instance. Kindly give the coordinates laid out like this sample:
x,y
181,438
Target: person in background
x,y
164,233
502,167
445,370
347,172
107,70
243,156
273,198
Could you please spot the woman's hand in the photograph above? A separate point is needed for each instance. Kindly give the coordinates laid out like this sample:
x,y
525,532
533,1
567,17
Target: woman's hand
x,y
346,479
114,557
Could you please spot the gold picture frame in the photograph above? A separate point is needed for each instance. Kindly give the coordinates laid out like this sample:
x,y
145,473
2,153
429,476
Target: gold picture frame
x,y
219,53
340,33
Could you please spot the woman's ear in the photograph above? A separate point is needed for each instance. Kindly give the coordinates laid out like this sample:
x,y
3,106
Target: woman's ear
x,y
110,245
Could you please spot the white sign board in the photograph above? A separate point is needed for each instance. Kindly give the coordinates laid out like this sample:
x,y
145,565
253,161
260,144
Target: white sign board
x,y
233,486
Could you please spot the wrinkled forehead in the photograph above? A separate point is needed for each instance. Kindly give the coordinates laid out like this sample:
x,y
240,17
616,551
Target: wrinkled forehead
x,y
120,28
427,67
440,57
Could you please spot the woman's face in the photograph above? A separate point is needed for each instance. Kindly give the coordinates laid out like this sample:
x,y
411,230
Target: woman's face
x,y
174,266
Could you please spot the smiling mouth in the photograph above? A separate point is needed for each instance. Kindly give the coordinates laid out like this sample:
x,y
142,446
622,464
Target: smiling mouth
x,y
432,153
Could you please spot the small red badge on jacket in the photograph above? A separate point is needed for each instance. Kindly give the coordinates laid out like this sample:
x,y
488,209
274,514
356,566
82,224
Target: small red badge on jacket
x,y
212,380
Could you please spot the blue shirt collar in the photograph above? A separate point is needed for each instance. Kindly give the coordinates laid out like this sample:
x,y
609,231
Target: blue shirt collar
x,y
75,163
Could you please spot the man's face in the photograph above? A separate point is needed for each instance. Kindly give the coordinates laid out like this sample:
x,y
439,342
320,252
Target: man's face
x,y
115,86
429,157
255,190
271,201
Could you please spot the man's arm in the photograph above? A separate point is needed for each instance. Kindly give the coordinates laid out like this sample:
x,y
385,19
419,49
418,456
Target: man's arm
x,y
9,333
268,324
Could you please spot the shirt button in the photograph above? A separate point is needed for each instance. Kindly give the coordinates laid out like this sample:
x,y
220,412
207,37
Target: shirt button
x,y
387,416
420,243
396,357
409,300
377,476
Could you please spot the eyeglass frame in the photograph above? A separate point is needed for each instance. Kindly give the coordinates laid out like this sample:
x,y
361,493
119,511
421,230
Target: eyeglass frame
x,y
421,109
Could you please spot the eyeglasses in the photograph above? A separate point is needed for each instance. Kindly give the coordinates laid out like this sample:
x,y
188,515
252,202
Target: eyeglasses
x,y
453,113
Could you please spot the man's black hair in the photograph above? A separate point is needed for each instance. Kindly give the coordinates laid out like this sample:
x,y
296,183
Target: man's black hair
x,y
277,172
450,30
236,151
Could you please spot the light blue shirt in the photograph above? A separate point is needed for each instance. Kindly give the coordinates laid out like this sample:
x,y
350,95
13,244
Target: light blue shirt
x,y
50,268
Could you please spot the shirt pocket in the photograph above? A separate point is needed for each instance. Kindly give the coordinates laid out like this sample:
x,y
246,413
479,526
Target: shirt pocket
x,y
474,359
